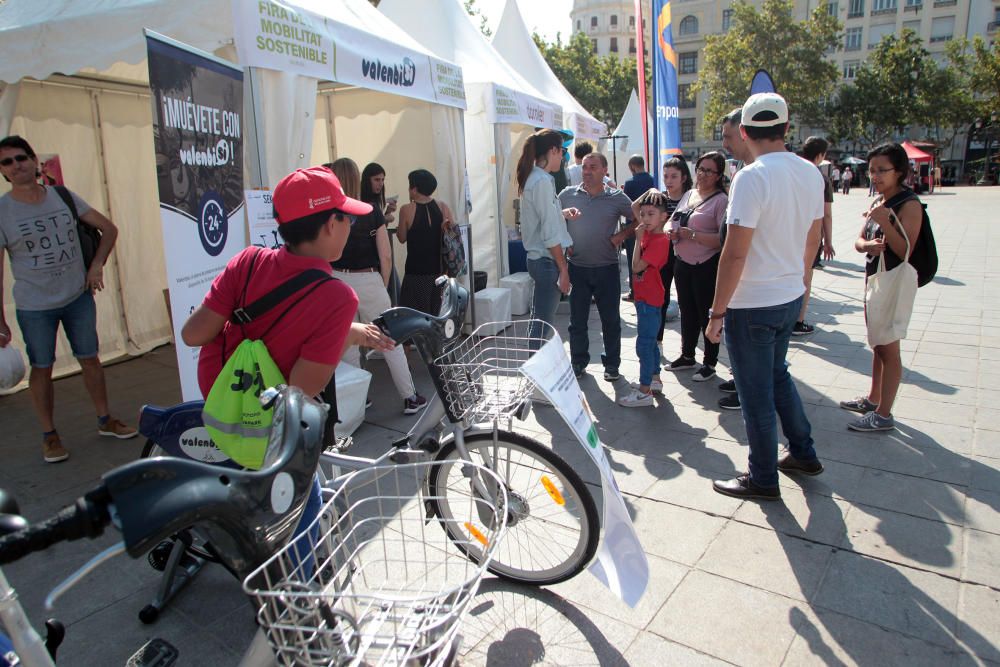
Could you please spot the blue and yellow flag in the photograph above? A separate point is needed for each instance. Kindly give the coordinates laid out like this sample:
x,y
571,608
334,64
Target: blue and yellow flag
x,y
666,127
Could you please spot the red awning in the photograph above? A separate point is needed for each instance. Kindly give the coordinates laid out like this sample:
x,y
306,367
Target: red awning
x,y
916,154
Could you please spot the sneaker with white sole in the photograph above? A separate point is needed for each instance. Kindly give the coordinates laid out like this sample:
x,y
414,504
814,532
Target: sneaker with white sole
x,y
871,422
53,450
114,428
704,373
861,404
682,363
655,386
730,402
636,399
728,387
412,406
803,329
611,374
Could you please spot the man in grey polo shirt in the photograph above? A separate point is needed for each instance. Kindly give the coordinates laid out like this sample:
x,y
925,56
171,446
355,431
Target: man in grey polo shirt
x,y
593,263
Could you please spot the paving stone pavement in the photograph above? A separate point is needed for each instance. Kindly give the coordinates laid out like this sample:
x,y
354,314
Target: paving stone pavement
x,y
891,557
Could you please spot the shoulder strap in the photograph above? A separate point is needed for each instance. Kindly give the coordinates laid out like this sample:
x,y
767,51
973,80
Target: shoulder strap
x,y
252,311
67,199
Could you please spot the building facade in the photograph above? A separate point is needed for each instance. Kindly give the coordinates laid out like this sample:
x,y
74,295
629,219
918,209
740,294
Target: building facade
x,y
611,27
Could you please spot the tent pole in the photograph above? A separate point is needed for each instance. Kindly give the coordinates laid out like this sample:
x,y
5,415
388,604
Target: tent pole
x,y
497,163
95,109
258,176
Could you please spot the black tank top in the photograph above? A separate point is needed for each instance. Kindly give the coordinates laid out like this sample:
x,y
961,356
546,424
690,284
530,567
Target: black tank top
x,y
423,240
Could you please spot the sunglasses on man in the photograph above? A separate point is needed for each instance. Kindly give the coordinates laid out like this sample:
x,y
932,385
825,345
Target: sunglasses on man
x,y
20,157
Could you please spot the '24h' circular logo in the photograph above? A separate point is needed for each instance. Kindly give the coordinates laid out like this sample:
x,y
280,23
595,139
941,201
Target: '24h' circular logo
x,y
213,228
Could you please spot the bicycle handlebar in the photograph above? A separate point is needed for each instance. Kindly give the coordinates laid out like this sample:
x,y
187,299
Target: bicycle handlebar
x,y
428,332
87,517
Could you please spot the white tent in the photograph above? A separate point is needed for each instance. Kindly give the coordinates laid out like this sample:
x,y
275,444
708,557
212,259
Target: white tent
x,y
513,41
503,109
630,129
79,88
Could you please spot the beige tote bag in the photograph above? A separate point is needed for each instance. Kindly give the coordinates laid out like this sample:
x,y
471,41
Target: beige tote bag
x,y
889,297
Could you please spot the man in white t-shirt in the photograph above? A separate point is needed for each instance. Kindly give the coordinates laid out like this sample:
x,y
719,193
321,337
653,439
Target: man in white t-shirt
x,y
773,205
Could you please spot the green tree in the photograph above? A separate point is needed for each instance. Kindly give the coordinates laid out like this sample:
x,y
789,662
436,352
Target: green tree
x,y
901,86
980,62
602,84
793,53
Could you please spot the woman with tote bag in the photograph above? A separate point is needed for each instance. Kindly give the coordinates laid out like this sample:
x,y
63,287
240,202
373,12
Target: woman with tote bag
x,y
887,238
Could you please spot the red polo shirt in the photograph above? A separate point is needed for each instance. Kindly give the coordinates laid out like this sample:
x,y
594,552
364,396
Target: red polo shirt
x,y
315,329
648,288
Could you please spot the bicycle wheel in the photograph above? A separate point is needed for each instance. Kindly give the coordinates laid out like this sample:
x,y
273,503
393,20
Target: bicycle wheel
x,y
151,449
552,524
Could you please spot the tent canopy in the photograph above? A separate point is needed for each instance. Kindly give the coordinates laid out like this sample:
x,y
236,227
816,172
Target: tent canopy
x,y
916,154
630,127
513,41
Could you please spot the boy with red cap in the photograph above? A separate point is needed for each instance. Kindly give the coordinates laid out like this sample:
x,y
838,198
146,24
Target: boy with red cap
x,y
306,334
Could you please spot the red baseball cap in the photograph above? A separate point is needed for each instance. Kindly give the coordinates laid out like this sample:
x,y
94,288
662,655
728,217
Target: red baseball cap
x,y
313,190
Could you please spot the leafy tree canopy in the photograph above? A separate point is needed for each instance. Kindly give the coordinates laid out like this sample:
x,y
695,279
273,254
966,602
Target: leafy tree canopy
x,y
793,52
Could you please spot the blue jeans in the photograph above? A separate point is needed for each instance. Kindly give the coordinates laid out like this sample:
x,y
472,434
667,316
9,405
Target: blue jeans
x,y
757,340
602,284
545,297
645,341
39,328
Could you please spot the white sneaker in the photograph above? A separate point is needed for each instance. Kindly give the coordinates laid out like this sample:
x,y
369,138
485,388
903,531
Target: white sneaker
x,y
655,386
636,399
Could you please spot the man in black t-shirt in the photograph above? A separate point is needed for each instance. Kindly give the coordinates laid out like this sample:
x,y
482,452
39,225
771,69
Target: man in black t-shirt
x,y
814,149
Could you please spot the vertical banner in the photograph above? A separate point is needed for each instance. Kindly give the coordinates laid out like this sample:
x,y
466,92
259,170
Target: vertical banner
x,y
667,131
640,66
198,137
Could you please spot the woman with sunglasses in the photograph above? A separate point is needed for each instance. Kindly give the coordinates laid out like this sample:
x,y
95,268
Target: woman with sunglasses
x,y
896,207
365,265
695,237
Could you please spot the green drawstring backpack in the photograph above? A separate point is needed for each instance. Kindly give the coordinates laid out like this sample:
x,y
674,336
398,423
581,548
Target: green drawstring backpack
x,y
233,415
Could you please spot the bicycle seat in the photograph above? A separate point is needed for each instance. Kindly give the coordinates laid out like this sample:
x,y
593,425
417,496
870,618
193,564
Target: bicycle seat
x,y
246,515
428,333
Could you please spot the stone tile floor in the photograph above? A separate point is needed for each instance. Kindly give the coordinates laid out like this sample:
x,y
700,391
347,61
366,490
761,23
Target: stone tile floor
x,y
891,557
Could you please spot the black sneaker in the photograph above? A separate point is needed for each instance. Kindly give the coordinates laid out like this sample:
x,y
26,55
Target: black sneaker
x,y
728,387
789,464
412,406
681,363
802,329
730,402
743,487
578,371
704,373
611,374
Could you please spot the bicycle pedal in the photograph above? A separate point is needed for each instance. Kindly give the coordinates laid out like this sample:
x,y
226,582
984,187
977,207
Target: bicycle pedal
x,y
159,554
154,653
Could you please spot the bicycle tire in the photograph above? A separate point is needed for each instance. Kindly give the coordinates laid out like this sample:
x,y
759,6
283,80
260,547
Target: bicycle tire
x,y
577,514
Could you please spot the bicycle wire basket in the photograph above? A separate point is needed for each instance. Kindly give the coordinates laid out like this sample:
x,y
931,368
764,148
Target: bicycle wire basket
x,y
372,581
481,375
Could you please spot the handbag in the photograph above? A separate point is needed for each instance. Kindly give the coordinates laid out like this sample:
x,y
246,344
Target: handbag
x,y
889,297
452,252
11,366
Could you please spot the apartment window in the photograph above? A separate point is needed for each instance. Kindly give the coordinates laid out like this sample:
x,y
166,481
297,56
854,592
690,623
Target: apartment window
x,y
594,43
914,3
685,100
912,25
883,7
727,18
942,28
614,19
593,21
579,25
877,32
689,25
631,21
688,62
832,8
631,46
614,45
687,129
717,133
851,68
852,39
857,8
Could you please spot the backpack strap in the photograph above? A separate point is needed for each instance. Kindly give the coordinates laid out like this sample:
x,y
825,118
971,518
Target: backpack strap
x,y
248,313
67,199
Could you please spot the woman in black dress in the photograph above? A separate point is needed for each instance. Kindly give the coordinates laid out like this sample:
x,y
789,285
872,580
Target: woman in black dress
x,y
420,225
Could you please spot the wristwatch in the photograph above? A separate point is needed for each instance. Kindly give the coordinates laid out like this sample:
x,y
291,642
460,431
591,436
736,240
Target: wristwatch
x,y
692,234
712,315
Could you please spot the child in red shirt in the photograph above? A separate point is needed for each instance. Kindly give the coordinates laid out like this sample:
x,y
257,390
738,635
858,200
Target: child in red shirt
x,y
652,252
